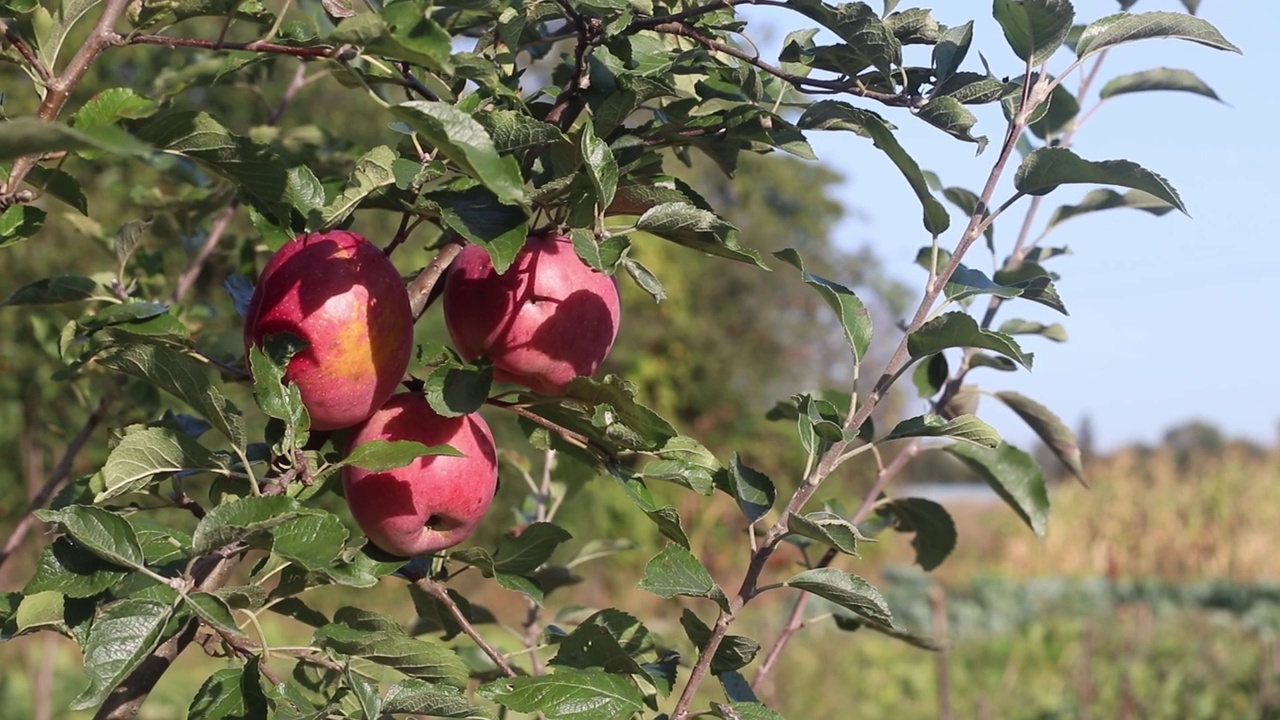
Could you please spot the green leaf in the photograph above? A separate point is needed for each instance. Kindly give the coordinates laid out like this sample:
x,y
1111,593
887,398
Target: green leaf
x,y
365,692
622,413
610,640
1108,199
250,165
568,694
1053,332
846,590
527,551
1055,433
645,279
947,114
965,427
182,377
734,651
1158,79
604,255
312,540
696,228
20,222
30,136
602,168
960,330
454,389
403,31
120,639
829,528
1120,28
419,697
951,50
753,490
1063,108
930,376
111,106
666,517
222,697
415,657
481,217
934,529
102,533
240,519
914,26
513,130
372,171
40,610
1014,476
480,558
855,318
278,400
744,711
867,36
142,455
72,571
1047,168
675,571
213,611
839,115
1035,29
380,455
463,140
971,88
60,184
56,290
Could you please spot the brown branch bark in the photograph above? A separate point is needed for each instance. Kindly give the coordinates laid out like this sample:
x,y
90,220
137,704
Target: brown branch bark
x,y
423,288
26,52
438,591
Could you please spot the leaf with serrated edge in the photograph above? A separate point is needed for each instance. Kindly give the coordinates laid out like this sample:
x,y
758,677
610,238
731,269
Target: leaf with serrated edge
x,y
1126,27
1048,168
102,533
182,377
1108,199
1014,476
965,427
960,330
838,115
120,639
463,140
142,455
1174,79
568,694
530,549
827,527
1035,29
846,590
1055,433
675,571
854,316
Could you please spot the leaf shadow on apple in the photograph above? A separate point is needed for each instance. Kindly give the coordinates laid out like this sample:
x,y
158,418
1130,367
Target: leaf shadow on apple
x,y
434,502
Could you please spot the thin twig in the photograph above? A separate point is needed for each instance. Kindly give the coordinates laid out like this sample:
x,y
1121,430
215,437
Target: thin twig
x,y
61,87
830,459
800,82
438,591
26,52
795,620
56,478
259,46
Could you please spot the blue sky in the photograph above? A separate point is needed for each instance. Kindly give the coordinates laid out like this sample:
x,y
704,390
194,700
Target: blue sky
x,y
1171,318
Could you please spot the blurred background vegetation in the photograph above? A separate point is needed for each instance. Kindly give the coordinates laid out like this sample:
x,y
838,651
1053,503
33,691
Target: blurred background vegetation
x,y
1154,595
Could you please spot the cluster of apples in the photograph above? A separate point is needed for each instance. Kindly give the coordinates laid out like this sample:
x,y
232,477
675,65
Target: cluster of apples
x,y
548,319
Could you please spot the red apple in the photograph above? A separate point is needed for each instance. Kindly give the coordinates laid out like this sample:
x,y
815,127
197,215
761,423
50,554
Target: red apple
x,y
434,502
341,294
548,319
